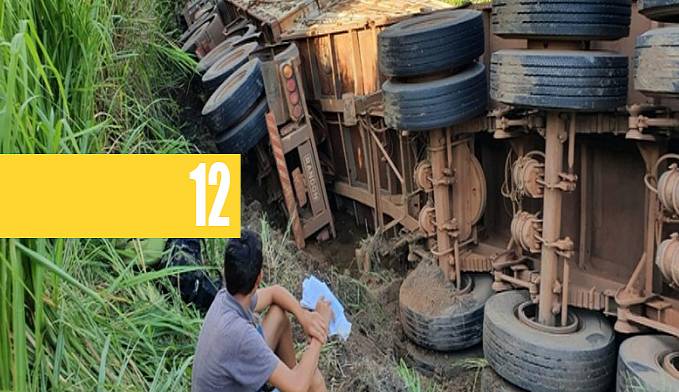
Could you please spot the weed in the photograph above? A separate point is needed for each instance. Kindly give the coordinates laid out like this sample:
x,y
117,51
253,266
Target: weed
x,y
413,380
88,77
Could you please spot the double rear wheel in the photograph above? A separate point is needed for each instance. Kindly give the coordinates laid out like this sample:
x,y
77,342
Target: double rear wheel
x,y
579,357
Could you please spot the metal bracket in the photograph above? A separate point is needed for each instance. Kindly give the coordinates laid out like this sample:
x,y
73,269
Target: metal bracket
x,y
568,182
638,122
563,247
448,178
511,122
355,105
452,228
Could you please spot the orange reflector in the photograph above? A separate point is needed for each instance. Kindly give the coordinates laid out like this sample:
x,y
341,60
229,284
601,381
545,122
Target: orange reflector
x,y
287,71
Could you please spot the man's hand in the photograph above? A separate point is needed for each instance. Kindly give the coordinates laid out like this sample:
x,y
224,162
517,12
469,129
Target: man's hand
x,y
315,326
323,308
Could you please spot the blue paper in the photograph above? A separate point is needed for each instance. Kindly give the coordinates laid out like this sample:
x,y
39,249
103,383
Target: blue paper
x,y
312,290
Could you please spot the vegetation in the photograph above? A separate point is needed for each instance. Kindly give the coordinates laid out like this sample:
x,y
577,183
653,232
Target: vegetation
x,y
86,76
97,76
413,380
464,3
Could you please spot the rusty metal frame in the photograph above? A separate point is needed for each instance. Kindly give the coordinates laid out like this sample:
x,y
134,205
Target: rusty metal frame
x,y
564,283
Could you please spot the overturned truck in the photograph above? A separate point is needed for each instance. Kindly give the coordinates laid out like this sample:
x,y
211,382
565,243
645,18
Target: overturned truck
x,y
525,151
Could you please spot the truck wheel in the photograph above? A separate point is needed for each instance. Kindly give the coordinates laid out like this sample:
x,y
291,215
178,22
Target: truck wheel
x,y
660,10
640,364
437,318
656,62
223,10
241,30
254,37
245,135
579,360
572,80
216,54
192,42
431,43
437,103
234,98
567,20
205,18
492,382
227,65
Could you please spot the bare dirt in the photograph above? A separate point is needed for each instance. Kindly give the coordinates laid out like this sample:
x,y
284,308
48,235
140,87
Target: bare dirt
x,y
369,360
426,292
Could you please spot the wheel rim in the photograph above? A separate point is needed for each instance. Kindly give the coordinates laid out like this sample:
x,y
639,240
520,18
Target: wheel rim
x,y
670,363
527,311
466,287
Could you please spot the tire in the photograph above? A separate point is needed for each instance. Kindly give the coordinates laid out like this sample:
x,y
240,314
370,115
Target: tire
x,y
241,30
192,42
234,24
660,10
582,361
569,80
562,19
227,65
639,364
234,98
492,382
247,134
457,327
205,18
254,37
656,62
223,9
431,43
438,103
216,54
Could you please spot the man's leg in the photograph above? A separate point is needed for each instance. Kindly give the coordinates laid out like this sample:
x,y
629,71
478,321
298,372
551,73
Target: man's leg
x,y
278,335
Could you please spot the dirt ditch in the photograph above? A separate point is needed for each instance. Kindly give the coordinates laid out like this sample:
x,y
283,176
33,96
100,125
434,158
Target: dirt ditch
x,y
376,354
425,291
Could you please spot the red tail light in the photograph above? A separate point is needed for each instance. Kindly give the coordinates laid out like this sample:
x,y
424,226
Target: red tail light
x,y
292,93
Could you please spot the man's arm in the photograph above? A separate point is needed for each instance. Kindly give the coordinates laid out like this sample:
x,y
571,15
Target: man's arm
x,y
300,378
278,295
311,322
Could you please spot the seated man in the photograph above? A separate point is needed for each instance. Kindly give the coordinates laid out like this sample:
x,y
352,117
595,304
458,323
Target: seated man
x,y
235,351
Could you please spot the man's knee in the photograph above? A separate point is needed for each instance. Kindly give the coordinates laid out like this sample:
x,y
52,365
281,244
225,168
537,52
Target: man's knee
x,y
278,315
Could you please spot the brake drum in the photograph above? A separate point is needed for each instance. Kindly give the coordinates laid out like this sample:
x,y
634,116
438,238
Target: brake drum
x,y
469,190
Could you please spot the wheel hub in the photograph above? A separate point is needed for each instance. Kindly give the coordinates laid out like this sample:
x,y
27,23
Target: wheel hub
x,y
466,286
670,363
527,312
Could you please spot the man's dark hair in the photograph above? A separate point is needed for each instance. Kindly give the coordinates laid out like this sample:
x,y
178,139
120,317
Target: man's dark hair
x,y
242,262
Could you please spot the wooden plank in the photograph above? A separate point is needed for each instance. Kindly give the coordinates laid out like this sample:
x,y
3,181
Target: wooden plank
x,y
345,61
294,19
361,195
367,44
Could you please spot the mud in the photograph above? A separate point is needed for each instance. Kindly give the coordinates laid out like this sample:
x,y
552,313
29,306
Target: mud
x,y
492,382
463,367
425,291
369,360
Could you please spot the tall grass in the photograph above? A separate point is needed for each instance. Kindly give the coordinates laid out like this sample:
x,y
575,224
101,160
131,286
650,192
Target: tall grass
x,y
88,76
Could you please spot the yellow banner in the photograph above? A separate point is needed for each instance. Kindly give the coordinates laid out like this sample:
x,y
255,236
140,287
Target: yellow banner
x,y
120,196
